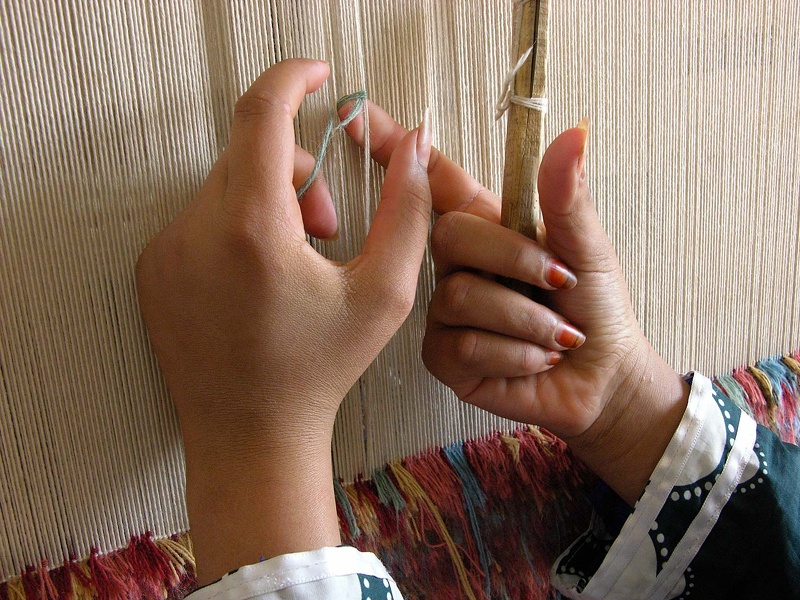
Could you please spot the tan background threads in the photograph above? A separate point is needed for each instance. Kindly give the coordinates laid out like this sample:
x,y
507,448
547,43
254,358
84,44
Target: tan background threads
x,y
111,114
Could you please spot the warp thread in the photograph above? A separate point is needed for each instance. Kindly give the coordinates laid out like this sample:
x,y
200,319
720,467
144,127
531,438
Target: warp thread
x,y
335,125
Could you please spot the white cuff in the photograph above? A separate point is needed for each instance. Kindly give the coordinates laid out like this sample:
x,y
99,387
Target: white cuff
x,y
706,459
341,573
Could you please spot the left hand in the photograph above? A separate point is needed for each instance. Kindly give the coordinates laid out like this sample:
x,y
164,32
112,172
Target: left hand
x,y
258,336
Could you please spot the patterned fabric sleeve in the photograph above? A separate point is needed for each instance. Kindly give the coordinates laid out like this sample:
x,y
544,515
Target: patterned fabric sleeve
x,y
341,573
720,517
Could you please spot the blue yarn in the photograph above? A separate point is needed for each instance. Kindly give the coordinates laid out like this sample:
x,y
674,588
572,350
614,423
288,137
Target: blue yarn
x,y
735,392
474,497
779,376
388,494
472,489
523,540
360,98
343,501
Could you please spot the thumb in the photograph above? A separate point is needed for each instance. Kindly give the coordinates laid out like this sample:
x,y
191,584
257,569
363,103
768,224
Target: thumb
x,y
393,250
574,231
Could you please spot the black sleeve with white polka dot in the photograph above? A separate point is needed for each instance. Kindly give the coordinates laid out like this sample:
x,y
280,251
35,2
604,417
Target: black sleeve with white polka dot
x,y
720,517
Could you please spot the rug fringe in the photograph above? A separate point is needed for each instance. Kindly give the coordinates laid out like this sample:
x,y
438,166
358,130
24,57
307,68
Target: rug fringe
x,y
769,391
478,519
146,568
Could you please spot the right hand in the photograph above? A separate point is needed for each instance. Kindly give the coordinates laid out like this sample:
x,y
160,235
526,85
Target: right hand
x,y
498,349
492,345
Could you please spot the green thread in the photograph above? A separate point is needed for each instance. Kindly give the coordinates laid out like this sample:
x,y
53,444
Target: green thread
x,y
360,98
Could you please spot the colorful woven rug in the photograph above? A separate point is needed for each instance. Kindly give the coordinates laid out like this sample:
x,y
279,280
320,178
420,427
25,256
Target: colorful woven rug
x,y
481,519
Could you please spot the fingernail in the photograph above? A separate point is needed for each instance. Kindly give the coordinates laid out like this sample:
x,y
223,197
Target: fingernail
x,y
569,337
583,125
553,358
332,238
345,109
424,140
559,276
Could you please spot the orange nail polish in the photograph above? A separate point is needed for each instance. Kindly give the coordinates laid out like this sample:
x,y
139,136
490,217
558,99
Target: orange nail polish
x,y
559,276
569,336
553,358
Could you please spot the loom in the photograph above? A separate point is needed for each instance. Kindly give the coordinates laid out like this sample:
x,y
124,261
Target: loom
x,y
112,113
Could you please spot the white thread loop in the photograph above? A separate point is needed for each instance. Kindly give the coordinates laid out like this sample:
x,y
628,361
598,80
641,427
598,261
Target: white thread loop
x,y
508,97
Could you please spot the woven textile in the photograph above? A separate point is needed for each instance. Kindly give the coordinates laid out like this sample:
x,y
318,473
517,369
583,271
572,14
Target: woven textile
x,y
111,114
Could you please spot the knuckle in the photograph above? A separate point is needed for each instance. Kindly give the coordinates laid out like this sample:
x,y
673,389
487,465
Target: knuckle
x,y
243,232
444,236
400,301
246,246
391,297
531,323
468,348
476,197
519,261
418,200
537,322
529,359
456,293
255,104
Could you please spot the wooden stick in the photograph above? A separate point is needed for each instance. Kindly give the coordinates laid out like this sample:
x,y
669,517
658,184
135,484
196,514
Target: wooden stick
x,y
524,139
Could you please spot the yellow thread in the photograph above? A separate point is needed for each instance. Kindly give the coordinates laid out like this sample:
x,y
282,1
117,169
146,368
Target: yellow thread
x,y
365,514
411,503
78,591
792,364
544,439
177,560
513,445
179,551
413,491
81,592
766,389
15,589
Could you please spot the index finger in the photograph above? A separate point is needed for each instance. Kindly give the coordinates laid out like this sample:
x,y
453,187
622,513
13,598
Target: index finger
x,y
452,188
261,147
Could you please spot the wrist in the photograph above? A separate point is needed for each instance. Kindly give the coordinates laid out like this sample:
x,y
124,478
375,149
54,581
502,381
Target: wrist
x,y
251,428
246,504
257,486
626,442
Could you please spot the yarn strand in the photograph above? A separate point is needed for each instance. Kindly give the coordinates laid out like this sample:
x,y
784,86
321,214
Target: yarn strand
x,y
334,126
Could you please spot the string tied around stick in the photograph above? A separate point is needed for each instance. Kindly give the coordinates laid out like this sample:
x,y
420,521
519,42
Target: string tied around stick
x,y
508,97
